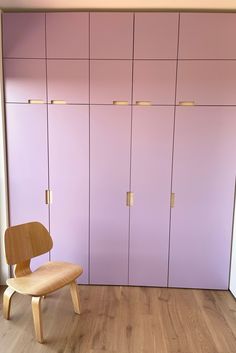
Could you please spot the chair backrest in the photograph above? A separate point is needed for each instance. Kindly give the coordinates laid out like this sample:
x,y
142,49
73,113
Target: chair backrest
x,y
25,241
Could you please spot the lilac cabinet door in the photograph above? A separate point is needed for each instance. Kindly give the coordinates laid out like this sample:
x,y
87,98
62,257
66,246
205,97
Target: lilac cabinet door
x,y
203,183
151,183
109,215
111,35
67,35
27,165
207,36
156,35
25,79
154,81
207,82
69,182
110,80
68,80
24,35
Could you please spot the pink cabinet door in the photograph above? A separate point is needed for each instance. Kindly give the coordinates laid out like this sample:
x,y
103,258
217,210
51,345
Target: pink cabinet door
x,y
207,36
68,80
69,182
154,81
111,35
25,79
110,80
109,215
203,183
24,35
156,35
151,183
67,35
207,82
27,165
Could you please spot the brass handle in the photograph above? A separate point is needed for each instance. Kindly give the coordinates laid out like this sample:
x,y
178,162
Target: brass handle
x,y
172,200
129,199
120,103
187,103
48,197
35,101
144,103
58,102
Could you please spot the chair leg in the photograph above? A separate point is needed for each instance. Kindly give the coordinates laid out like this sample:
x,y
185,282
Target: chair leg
x,y
36,310
7,296
75,297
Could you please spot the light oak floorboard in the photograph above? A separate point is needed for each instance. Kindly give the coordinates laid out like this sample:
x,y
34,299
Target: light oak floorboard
x,y
117,319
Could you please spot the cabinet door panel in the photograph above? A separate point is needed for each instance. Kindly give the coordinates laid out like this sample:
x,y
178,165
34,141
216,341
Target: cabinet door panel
x,y
68,80
203,181
110,81
69,182
210,82
111,35
110,163
154,81
24,79
207,36
24,35
27,165
150,181
67,35
156,35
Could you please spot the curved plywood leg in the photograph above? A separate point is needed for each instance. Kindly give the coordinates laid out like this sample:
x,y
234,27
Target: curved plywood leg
x,y
7,296
36,310
75,297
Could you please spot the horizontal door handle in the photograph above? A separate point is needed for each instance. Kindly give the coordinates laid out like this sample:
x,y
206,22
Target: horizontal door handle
x,y
120,103
144,103
58,102
187,103
35,101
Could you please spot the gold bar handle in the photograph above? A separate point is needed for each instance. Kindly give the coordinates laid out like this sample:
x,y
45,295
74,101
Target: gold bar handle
x,y
58,102
187,103
172,200
48,197
144,103
35,101
120,103
129,199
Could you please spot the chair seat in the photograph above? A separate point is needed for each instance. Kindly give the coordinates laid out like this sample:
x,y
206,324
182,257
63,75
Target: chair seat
x,y
46,279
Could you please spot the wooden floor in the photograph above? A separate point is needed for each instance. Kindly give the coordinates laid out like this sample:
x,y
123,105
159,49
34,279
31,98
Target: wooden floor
x,y
125,320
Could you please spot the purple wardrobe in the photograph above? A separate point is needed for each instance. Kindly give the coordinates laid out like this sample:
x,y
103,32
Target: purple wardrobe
x,y
100,105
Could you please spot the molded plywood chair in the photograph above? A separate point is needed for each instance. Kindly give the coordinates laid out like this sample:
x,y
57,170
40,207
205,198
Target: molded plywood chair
x,y
22,243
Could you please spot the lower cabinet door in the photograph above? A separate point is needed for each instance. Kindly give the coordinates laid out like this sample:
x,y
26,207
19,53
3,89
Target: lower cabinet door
x,y
152,141
69,183
110,171
204,184
27,165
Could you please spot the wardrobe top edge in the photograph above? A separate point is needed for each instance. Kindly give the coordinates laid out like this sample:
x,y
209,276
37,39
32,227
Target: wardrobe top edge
x,y
15,10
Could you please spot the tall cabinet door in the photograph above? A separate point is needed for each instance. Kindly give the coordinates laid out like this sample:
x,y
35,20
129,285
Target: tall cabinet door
x,y
27,164
69,182
203,183
150,181
110,168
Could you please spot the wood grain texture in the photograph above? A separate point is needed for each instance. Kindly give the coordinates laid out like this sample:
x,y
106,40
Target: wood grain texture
x,y
7,296
37,317
75,297
127,320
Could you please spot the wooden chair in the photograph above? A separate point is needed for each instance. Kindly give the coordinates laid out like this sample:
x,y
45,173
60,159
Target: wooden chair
x,y
22,243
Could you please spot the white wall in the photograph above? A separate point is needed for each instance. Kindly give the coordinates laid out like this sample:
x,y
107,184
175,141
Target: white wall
x,y
4,271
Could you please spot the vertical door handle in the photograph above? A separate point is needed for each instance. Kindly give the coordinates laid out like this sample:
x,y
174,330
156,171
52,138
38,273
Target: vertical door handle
x,y
172,200
48,197
129,199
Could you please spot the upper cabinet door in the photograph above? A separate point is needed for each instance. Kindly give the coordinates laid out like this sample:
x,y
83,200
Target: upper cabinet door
x,y
111,35
207,82
111,80
156,35
68,80
69,182
67,35
25,79
24,35
154,81
204,184
207,36
150,181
